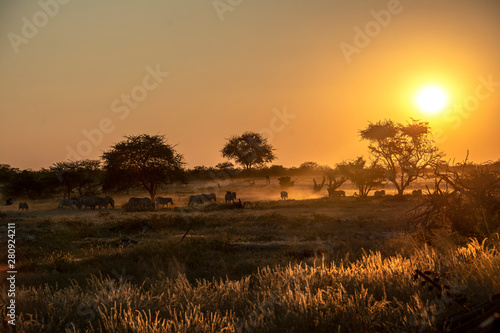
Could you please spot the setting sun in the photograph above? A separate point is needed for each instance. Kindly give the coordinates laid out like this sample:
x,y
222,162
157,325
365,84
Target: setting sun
x,y
432,99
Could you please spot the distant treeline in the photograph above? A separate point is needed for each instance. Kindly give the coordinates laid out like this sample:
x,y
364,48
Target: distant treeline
x,y
86,177
400,154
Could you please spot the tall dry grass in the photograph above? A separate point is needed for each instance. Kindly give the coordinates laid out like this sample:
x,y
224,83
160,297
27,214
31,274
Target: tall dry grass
x,y
373,293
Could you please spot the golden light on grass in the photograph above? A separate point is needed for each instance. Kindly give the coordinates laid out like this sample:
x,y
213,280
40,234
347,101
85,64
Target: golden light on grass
x,y
432,99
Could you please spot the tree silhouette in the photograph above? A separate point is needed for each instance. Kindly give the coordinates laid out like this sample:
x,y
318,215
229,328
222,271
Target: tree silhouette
x,y
249,149
364,177
26,184
224,166
336,177
77,175
7,173
405,151
144,161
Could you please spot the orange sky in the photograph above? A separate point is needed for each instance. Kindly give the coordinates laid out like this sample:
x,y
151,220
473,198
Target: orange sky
x,y
201,71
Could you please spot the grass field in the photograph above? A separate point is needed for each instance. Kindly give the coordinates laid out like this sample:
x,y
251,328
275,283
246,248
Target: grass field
x,y
306,264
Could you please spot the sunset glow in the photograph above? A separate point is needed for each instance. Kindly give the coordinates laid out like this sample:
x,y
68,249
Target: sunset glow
x,y
78,76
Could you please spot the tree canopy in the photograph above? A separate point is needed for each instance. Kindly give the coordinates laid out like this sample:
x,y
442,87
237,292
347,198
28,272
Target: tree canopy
x,y
363,176
405,151
249,149
82,176
144,161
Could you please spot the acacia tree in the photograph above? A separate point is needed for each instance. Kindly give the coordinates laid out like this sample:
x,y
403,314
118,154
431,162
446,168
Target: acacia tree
x,y
363,176
405,151
144,161
249,149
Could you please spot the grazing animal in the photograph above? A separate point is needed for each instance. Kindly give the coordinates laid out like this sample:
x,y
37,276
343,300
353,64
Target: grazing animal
x,y
104,202
135,203
239,204
416,193
147,203
163,201
87,202
210,196
230,196
201,198
380,193
23,205
8,202
335,194
68,203
195,199
284,195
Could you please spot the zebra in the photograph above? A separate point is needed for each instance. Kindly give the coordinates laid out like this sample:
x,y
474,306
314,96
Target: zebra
x,y
334,193
134,203
201,198
87,202
68,203
104,202
163,201
147,203
230,196
23,205
210,196
284,195
198,199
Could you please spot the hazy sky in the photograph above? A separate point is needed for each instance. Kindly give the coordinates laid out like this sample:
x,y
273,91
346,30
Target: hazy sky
x,y
76,76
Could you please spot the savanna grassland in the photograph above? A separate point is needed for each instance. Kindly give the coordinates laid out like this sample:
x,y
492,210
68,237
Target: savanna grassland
x,y
310,263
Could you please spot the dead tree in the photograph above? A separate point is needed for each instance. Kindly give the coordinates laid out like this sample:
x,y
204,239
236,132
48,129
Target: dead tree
x,y
335,180
317,187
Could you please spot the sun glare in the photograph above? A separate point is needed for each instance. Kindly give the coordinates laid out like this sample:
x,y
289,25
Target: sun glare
x,y
432,99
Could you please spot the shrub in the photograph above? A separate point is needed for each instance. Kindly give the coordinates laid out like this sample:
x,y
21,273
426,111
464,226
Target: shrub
x,y
470,208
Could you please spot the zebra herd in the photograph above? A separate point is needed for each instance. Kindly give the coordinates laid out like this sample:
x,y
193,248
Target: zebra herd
x,y
136,203
89,202
200,199
161,202
147,203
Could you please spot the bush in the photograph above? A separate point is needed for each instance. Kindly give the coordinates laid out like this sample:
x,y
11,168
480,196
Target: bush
x,y
470,208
